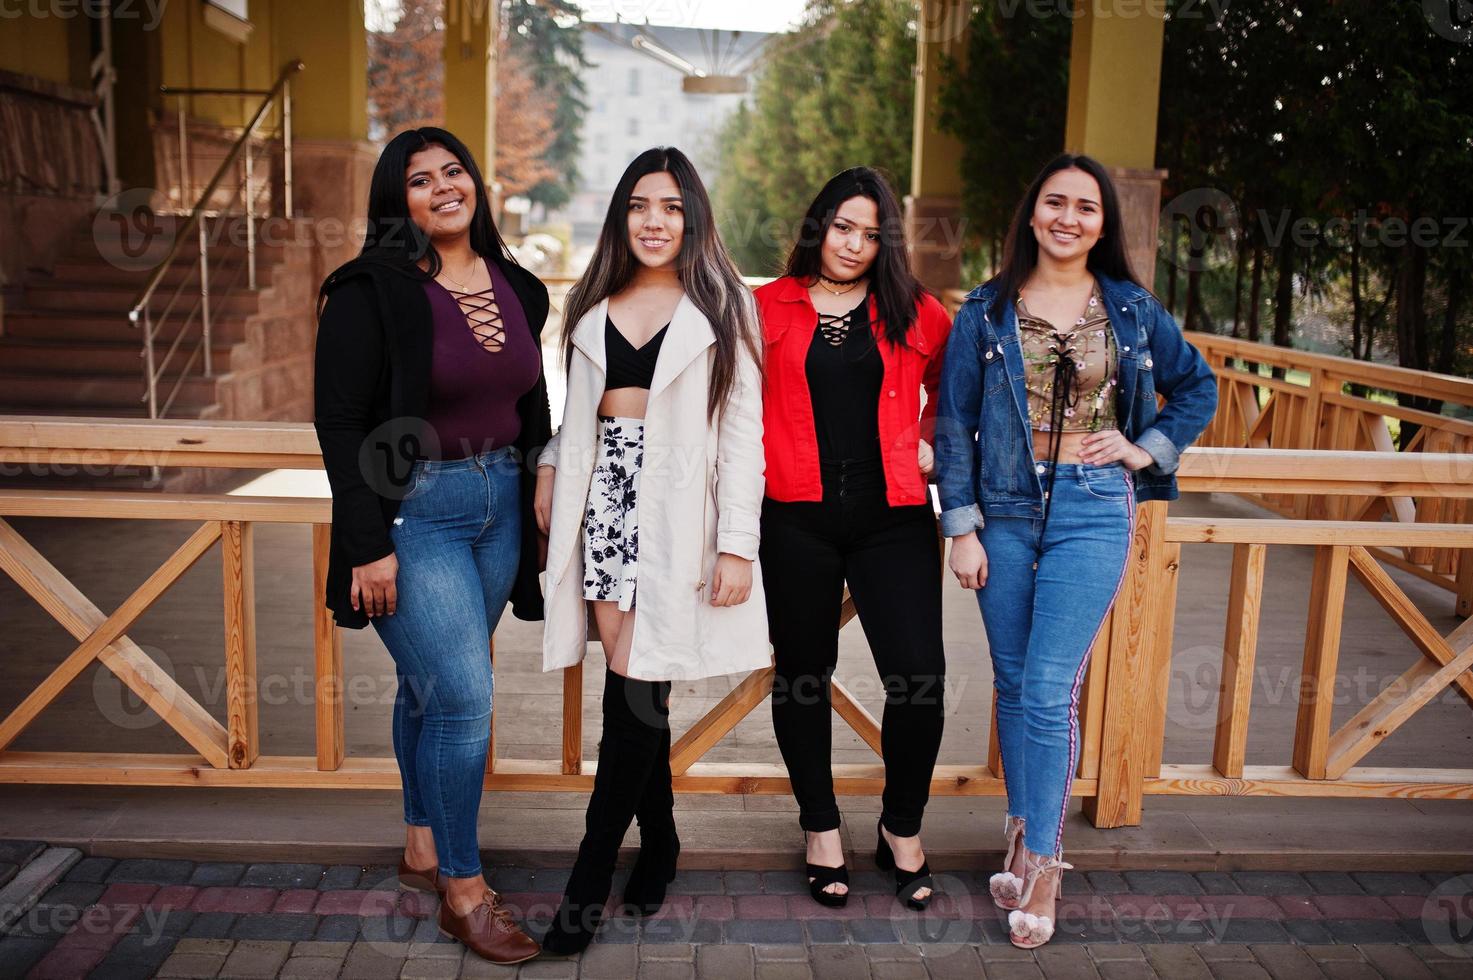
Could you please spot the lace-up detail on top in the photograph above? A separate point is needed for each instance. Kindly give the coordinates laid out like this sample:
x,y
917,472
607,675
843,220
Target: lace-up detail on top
x,y
483,316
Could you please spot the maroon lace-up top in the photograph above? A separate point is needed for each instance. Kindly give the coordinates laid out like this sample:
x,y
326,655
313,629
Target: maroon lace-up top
x,y
484,359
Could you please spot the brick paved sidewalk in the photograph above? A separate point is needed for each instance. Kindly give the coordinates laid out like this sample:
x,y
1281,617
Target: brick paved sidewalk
x,y
64,915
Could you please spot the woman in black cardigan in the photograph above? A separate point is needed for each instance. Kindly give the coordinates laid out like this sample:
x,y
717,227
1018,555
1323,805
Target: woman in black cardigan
x,y
429,397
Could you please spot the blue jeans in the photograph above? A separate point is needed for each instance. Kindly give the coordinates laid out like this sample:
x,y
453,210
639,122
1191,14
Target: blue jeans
x,y
457,538
1048,590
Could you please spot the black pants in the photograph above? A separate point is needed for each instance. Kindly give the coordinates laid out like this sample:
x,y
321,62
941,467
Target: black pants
x,y
890,558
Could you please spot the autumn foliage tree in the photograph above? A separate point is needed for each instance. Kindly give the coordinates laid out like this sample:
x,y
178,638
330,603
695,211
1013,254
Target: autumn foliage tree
x,y
406,87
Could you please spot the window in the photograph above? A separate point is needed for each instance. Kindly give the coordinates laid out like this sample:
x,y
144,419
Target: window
x,y
634,81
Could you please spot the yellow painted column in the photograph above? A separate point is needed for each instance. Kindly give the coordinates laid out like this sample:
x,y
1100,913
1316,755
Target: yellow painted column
x,y
933,208
1114,90
470,82
330,97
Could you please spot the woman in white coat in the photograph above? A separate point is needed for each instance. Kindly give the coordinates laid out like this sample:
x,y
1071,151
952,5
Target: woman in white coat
x,y
651,495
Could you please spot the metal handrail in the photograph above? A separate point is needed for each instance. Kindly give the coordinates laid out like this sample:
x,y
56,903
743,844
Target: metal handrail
x,y
194,221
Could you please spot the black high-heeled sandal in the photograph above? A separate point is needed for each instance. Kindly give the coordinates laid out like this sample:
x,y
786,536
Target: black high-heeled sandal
x,y
820,876
907,883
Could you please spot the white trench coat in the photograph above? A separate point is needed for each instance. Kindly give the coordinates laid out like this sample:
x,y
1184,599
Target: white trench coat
x,y
698,493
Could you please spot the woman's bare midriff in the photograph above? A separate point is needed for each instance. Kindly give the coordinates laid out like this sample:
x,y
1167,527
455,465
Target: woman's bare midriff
x,y
1069,446
625,403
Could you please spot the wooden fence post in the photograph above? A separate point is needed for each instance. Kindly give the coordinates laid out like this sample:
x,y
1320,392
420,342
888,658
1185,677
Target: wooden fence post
x,y
1131,686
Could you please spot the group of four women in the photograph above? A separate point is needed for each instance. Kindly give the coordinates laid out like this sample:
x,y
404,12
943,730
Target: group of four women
x,y
726,464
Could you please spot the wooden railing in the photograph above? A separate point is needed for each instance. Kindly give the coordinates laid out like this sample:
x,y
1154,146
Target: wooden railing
x,y
1123,705
1315,407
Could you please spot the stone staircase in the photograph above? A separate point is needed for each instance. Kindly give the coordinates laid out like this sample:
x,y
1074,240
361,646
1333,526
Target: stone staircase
x,y
68,348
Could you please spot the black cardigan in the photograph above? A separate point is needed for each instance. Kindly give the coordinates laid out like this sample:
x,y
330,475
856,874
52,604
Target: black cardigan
x,y
372,390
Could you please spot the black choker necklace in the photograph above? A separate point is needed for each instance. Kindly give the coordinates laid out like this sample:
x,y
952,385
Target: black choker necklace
x,y
848,284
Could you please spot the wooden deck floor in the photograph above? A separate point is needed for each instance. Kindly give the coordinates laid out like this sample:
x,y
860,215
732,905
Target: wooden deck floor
x,y
107,559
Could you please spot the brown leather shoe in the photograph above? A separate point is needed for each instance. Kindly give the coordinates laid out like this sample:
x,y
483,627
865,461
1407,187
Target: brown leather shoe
x,y
489,931
420,881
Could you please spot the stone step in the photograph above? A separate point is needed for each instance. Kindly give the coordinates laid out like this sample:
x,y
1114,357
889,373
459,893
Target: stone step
x,y
96,358
78,327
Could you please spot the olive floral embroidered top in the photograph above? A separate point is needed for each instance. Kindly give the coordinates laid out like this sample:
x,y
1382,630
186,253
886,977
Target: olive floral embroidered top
x,y
1089,405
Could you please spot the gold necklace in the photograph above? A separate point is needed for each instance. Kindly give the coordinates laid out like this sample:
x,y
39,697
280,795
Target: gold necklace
x,y
824,281
457,283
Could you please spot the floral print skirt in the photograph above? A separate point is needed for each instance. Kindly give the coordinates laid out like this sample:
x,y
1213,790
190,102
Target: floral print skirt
x,y
610,521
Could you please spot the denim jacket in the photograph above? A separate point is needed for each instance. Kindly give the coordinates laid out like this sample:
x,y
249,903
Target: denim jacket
x,y
984,445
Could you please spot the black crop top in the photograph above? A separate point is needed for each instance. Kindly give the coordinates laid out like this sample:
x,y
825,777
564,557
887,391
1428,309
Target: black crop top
x,y
630,367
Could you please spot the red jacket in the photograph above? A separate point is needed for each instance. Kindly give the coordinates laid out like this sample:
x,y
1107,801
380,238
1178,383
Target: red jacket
x,y
788,434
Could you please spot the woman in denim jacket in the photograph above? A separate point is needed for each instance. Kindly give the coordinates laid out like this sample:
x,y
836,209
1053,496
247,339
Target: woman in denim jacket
x,y
1048,433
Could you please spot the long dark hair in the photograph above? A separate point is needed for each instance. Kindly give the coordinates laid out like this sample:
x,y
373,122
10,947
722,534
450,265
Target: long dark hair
x,y
895,287
1020,254
391,232
706,270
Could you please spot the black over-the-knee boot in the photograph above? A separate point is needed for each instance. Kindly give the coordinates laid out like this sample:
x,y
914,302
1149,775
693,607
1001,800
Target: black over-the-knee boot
x,y
659,845
636,725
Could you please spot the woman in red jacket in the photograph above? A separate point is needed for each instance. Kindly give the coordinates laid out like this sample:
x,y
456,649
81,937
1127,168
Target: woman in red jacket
x,y
851,338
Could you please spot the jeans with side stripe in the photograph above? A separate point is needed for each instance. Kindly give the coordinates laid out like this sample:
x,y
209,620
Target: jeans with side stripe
x,y
1049,588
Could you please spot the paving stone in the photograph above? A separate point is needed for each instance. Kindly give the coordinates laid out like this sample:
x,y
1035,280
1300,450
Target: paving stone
x,y
872,931
1400,962
299,900
1218,883
1065,961
310,968
18,954
1271,883
20,852
619,930
1237,970
553,969
357,902
148,952
1176,962
1307,932
826,931
653,970
65,963
151,871
763,931
1351,971
34,879
1126,970
549,880
698,883
1333,954
671,931
1252,931
93,870
1162,883
897,970
256,959
1286,962
475,968
1391,882
338,928
1225,951
1362,931
71,894
218,873
283,875
240,901
1182,931
339,876
1332,883
1005,952
210,925
1415,931
680,952
732,961
1075,883
839,963
374,961
392,929
281,926
433,967
1107,882
192,965
1109,952
743,883
7,871
761,907
785,883
952,963
604,962
893,952
1354,907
